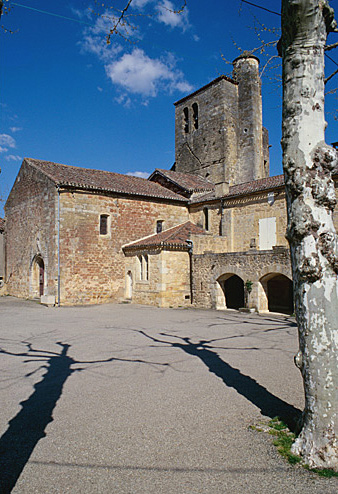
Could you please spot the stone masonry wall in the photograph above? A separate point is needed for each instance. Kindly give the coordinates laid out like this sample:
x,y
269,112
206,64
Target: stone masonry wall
x,y
168,283
210,150
31,231
239,223
250,130
197,216
92,265
242,215
143,291
2,257
254,266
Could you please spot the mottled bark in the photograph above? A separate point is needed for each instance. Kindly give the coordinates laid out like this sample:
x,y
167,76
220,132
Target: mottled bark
x,y
308,163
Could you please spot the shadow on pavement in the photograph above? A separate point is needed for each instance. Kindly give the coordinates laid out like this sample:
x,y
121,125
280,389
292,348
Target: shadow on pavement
x,y
27,428
269,404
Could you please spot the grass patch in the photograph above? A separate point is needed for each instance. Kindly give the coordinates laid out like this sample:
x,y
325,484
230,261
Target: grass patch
x,y
322,472
283,440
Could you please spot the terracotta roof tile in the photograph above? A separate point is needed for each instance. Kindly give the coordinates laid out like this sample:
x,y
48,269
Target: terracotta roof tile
x,y
2,224
85,178
245,188
256,186
260,185
174,237
188,181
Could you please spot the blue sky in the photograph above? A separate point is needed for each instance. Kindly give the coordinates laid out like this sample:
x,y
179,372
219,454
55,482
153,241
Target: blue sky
x,y
68,97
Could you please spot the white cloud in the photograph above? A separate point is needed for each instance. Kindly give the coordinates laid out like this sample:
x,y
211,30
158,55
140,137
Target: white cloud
x,y
95,38
15,129
166,14
138,174
184,87
123,99
13,157
97,45
140,74
141,3
6,142
133,72
82,14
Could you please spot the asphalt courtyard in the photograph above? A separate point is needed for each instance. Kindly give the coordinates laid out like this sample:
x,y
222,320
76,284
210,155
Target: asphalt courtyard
x,y
134,399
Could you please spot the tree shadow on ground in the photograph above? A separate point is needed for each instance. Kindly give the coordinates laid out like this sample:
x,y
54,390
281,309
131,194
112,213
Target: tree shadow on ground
x,y
269,404
29,425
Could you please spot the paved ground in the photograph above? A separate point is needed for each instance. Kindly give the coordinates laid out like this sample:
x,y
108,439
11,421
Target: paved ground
x,y
132,399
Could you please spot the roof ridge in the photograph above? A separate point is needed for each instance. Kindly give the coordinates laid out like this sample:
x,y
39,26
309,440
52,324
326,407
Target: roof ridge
x,y
176,229
84,168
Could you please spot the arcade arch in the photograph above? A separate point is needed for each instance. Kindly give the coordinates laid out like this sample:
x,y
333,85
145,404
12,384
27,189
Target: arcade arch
x,y
276,293
229,292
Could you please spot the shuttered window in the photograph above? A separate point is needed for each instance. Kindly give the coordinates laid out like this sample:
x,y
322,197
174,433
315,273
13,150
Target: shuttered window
x,y
267,233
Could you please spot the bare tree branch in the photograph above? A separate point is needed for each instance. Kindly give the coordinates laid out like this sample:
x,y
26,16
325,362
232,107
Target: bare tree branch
x,y
119,21
332,91
330,47
268,63
330,76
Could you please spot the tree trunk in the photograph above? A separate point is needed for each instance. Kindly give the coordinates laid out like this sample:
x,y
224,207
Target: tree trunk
x,y
308,163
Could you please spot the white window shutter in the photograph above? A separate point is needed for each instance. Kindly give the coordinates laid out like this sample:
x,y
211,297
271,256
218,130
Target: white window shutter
x,y
267,233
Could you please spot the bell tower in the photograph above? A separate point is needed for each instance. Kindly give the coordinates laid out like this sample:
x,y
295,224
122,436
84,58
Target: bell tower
x,y
218,128
205,131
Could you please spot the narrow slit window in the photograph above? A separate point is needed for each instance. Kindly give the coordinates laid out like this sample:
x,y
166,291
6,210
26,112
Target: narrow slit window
x,y
140,267
103,224
186,120
195,115
146,267
206,218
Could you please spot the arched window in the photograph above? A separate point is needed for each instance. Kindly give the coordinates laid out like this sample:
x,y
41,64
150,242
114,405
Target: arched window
x,y
143,262
140,267
195,115
146,267
186,120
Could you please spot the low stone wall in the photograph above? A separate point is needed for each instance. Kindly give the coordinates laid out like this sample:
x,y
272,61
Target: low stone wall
x,y
257,266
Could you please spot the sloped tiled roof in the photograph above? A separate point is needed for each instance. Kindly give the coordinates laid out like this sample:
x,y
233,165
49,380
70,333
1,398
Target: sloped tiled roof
x,y
99,180
256,186
174,237
245,188
188,181
2,224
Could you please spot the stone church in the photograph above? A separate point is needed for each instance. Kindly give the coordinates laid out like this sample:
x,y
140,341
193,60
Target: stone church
x,y
196,235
